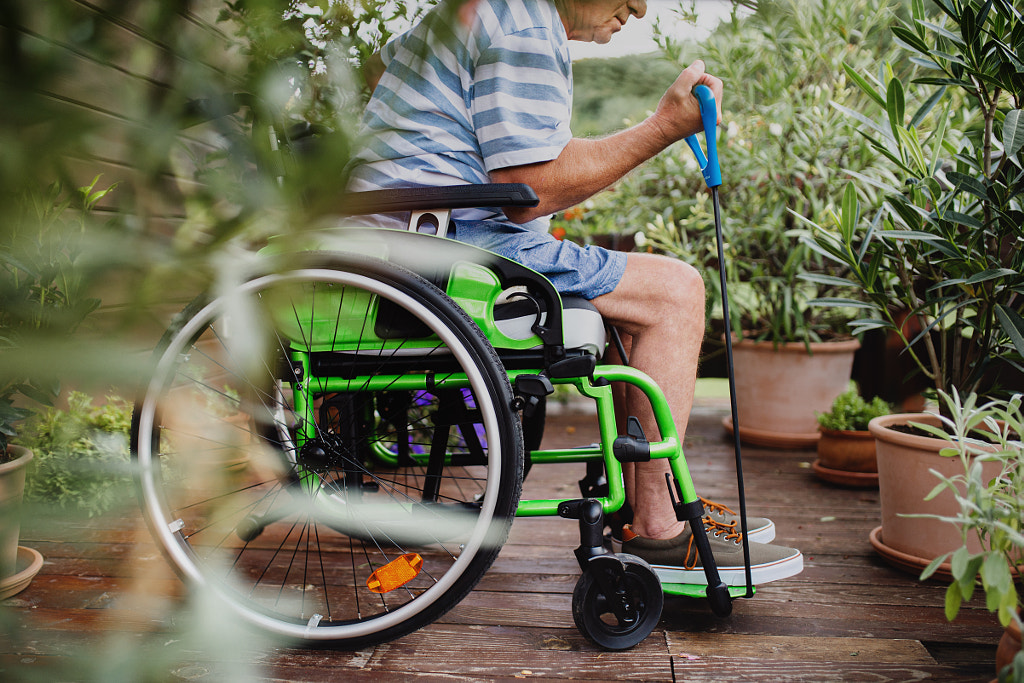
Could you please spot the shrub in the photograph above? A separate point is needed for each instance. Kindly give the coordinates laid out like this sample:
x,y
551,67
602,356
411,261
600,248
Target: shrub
x,y
82,460
851,412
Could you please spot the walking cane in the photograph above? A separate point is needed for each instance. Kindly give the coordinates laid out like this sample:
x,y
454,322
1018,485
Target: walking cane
x,y
713,177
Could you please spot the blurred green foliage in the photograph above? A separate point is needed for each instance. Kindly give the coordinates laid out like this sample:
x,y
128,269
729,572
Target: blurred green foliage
x,y
607,93
785,153
175,109
81,464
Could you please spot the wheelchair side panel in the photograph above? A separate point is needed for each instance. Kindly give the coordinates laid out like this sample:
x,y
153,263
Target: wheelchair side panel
x,y
464,272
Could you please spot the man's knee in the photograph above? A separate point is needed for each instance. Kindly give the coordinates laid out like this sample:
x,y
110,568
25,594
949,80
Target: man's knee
x,y
677,282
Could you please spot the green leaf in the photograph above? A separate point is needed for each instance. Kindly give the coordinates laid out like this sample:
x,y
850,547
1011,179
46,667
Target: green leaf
x,y
953,601
925,108
934,430
932,566
1013,132
1013,325
895,107
939,488
838,301
910,40
851,213
942,32
963,219
968,184
938,137
995,573
910,235
909,140
863,84
822,279
868,324
990,274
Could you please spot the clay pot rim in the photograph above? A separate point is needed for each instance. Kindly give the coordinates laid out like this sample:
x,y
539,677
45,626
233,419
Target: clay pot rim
x,y
837,346
880,428
19,461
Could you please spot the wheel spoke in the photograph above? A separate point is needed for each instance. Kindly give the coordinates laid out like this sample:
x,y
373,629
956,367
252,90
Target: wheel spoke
x,y
286,508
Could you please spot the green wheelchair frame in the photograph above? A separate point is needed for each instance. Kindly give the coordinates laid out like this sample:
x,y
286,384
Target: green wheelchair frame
x,y
331,445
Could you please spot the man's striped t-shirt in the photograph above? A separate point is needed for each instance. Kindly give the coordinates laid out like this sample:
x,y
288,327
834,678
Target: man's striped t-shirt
x,y
456,103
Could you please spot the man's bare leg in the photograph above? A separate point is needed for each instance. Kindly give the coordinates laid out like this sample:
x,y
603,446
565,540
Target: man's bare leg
x,y
659,303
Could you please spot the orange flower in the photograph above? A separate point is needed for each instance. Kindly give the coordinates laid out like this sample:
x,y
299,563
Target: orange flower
x,y
573,213
558,233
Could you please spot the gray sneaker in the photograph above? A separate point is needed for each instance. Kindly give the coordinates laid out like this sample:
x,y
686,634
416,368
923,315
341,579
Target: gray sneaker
x,y
675,560
759,529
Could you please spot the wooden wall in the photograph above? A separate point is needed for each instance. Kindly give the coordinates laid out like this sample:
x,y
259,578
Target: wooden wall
x,y
114,63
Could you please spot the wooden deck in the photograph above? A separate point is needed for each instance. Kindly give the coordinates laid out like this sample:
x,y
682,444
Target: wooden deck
x,y
97,610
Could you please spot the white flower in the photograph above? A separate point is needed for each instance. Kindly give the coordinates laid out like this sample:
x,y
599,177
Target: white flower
x,y
308,10
640,239
775,129
316,33
733,129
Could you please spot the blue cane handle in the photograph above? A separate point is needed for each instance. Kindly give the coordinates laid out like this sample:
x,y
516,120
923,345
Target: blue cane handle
x,y
709,116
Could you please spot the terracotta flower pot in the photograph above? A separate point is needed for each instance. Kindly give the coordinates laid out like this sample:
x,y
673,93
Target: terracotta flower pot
x,y
18,565
1009,646
847,457
12,487
904,479
780,389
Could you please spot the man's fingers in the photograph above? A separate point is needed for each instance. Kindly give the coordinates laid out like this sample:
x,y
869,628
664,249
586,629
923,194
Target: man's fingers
x,y
694,73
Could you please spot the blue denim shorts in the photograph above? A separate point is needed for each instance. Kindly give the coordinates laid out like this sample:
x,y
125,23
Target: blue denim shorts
x,y
585,271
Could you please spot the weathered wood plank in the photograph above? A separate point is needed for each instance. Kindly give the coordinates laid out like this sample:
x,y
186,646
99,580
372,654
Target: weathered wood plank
x,y
802,649
519,618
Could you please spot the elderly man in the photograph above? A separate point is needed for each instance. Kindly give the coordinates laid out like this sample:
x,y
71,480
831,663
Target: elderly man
x,y
488,99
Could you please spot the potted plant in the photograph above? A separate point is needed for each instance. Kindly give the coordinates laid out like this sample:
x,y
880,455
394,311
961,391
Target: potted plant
x,y
42,298
846,450
782,150
941,247
989,517
18,565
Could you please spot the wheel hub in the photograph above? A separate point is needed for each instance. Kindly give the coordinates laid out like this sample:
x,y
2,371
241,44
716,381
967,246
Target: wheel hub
x,y
324,453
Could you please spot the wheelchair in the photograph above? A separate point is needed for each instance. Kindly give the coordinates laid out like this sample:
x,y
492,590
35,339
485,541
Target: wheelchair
x,y
333,445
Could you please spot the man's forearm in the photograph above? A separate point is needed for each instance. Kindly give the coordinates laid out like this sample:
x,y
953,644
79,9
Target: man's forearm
x,y
584,168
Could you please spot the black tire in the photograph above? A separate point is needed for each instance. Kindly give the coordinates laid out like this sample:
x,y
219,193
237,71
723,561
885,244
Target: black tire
x,y
594,611
284,520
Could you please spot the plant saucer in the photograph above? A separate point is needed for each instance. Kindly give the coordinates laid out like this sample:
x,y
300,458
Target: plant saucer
x,y
28,565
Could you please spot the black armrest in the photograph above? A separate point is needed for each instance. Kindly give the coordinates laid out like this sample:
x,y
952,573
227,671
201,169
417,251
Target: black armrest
x,y
448,197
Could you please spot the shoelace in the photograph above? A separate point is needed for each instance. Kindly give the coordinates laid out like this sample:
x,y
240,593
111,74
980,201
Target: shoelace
x,y
716,508
719,530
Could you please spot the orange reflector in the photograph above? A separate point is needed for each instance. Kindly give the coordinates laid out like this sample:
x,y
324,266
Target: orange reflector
x,y
395,573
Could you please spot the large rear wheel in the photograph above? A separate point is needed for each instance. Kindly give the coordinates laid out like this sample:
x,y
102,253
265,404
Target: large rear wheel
x,y
331,450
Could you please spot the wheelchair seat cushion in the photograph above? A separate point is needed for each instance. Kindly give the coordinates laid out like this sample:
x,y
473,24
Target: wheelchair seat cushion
x,y
582,324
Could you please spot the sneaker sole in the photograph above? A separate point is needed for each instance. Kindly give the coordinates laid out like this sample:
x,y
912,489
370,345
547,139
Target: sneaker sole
x,y
765,534
735,576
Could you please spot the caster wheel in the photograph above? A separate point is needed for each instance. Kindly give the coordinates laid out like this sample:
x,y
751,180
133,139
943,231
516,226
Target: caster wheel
x,y
617,601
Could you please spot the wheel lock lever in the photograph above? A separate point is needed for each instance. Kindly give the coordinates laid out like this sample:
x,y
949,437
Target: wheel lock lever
x,y
529,390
